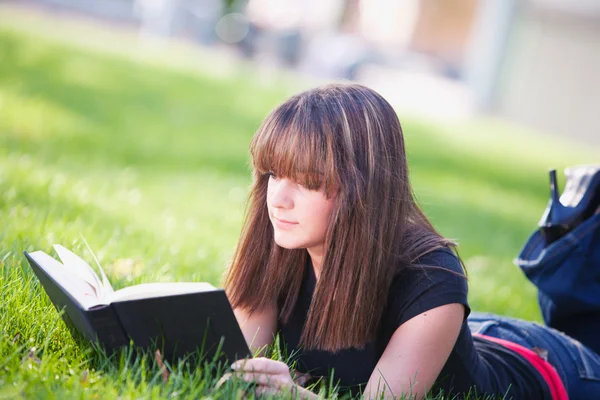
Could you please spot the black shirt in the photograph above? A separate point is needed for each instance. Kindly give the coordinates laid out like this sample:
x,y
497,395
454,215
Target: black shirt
x,y
474,363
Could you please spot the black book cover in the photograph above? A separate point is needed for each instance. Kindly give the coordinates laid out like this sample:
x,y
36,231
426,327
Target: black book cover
x,y
179,324
175,324
99,323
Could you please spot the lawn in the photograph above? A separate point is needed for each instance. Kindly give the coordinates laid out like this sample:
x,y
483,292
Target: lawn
x,y
148,161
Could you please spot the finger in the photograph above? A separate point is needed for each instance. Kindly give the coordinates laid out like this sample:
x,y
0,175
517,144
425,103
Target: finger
x,y
301,379
264,379
260,364
263,390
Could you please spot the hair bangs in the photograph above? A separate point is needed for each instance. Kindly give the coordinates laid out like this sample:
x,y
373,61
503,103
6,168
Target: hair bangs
x,y
292,144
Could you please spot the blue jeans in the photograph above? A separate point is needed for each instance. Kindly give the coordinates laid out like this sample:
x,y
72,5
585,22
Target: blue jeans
x,y
567,275
577,365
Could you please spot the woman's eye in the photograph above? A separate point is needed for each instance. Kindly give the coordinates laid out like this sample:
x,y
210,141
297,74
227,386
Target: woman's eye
x,y
271,175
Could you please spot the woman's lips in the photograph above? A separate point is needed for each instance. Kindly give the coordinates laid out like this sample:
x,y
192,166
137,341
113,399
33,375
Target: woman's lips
x,y
282,223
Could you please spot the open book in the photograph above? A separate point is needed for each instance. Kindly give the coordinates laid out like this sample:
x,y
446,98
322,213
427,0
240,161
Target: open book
x,y
177,318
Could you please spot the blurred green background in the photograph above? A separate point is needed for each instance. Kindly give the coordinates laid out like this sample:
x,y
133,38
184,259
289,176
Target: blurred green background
x,y
144,153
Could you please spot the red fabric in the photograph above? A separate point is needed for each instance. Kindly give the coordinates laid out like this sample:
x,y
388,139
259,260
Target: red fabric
x,y
557,388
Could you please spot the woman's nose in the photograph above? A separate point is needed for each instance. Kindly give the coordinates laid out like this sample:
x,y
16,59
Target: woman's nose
x,y
281,193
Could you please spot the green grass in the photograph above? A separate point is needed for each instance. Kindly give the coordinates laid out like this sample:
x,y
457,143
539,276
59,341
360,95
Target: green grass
x,y
147,159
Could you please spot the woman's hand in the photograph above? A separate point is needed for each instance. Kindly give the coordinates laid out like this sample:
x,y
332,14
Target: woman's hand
x,y
271,376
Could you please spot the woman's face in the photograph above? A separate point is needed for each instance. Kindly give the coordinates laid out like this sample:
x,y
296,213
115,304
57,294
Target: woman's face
x,y
299,215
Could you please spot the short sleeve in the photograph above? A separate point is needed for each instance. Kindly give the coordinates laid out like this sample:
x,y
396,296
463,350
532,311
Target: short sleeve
x,y
437,279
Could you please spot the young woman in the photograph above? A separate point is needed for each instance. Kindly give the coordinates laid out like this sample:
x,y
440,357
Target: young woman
x,y
336,256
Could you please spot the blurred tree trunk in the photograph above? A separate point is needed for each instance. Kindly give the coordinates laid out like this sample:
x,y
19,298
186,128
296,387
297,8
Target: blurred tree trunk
x,y
350,16
230,6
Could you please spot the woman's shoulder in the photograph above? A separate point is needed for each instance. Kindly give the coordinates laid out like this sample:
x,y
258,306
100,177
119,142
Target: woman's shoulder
x,y
434,279
442,257
440,265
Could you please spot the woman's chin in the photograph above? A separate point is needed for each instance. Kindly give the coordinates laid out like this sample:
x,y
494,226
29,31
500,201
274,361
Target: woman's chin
x,y
287,244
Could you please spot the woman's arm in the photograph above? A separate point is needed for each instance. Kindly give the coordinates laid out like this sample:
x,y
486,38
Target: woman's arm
x,y
272,377
259,327
416,353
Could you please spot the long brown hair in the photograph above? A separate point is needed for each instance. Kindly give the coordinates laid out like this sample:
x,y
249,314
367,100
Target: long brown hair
x,y
347,140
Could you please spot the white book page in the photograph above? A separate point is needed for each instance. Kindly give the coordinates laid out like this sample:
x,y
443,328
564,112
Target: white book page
x,y
84,271
149,290
77,266
106,286
81,290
